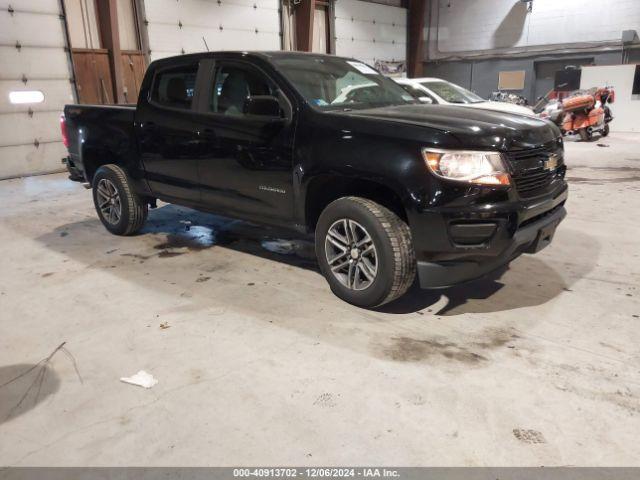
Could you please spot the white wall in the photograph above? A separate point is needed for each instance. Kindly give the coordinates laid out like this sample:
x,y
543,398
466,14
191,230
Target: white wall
x,y
625,109
367,31
370,32
494,26
226,25
36,25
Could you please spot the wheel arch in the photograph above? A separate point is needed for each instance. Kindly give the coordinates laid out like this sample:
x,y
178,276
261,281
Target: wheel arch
x,y
323,189
93,157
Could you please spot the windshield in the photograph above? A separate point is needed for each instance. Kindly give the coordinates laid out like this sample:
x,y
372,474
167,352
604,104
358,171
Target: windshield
x,y
332,83
452,93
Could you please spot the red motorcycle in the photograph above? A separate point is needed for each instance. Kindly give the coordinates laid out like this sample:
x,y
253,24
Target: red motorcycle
x,y
587,112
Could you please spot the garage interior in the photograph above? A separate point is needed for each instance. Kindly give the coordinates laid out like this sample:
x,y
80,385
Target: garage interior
x,y
257,362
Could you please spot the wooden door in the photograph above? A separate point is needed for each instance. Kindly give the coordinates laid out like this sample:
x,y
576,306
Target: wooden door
x,y
93,76
133,69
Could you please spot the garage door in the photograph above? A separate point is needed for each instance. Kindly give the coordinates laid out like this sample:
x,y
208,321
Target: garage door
x,y
188,26
370,32
33,59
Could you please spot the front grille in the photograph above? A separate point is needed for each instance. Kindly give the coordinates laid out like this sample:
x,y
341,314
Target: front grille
x,y
528,170
533,181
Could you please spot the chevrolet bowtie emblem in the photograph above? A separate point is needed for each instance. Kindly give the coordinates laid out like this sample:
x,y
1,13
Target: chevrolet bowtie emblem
x,y
551,163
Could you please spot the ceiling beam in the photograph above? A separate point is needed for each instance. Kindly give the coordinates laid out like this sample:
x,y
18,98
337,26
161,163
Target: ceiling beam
x,y
415,33
304,24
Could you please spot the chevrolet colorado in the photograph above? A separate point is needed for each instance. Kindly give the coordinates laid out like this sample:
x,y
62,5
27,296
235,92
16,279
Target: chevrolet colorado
x,y
390,187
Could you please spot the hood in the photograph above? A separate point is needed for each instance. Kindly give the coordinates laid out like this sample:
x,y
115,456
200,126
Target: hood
x,y
502,107
474,128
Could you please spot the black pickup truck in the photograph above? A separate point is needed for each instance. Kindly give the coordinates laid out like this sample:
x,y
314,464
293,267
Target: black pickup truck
x,y
389,187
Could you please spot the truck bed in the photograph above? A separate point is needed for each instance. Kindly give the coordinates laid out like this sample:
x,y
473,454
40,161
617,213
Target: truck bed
x,y
97,130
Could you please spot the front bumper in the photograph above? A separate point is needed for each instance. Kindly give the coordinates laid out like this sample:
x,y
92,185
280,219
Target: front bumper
x,y
452,249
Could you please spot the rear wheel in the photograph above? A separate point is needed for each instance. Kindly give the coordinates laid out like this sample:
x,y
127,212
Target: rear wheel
x,y
120,209
364,251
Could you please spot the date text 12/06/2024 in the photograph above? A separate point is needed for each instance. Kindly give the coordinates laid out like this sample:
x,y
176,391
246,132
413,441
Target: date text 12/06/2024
x,y
316,473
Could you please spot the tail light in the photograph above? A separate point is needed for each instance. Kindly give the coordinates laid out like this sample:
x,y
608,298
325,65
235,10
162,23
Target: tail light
x,y
63,130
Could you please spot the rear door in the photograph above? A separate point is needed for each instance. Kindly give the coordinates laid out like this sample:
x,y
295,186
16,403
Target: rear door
x,y
246,166
167,133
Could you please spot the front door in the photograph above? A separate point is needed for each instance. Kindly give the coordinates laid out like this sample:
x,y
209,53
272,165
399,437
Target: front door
x,y
167,134
246,166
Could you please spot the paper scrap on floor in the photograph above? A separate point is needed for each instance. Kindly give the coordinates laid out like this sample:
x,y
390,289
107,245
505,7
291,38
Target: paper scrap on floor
x,y
142,379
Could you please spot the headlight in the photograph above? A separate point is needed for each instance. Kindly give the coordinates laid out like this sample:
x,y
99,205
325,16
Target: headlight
x,y
486,168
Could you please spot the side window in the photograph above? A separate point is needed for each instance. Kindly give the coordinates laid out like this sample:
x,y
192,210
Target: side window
x,y
175,87
413,91
233,84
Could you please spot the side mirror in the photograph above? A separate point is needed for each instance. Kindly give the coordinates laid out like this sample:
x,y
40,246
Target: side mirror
x,y
425,99
262,105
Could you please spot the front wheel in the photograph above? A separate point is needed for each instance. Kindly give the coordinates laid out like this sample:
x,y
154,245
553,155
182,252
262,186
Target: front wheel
x,y
585,135
364,251
605,130
119,207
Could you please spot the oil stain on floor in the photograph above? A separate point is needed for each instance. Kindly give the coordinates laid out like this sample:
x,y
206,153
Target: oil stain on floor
x,y
407,349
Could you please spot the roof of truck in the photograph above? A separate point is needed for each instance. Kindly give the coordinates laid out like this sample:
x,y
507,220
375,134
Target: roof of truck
x,y
265,54
260,53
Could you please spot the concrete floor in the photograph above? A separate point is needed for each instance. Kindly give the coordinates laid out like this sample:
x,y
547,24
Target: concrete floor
x,y
258,363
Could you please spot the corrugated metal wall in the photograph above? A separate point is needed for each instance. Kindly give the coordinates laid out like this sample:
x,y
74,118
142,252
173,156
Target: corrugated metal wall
x,y
462,29
370,32
178,26
33,57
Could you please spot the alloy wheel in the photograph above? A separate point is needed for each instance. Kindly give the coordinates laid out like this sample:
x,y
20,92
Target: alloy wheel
x,y
109,201
351,254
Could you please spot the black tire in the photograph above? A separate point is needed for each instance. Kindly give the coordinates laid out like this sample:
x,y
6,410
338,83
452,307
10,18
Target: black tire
x,y
133,209
585,136
396,264
605,130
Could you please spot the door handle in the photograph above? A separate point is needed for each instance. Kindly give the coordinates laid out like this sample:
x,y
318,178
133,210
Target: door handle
x,y
149,127
207,134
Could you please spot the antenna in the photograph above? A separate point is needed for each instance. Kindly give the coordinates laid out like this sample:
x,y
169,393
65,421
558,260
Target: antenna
x,y
205,43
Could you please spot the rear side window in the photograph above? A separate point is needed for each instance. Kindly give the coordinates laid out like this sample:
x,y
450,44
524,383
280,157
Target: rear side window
x,y
175,87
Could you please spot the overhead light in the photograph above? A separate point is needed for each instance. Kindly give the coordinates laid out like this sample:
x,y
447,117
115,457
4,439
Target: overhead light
x,y
26,96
